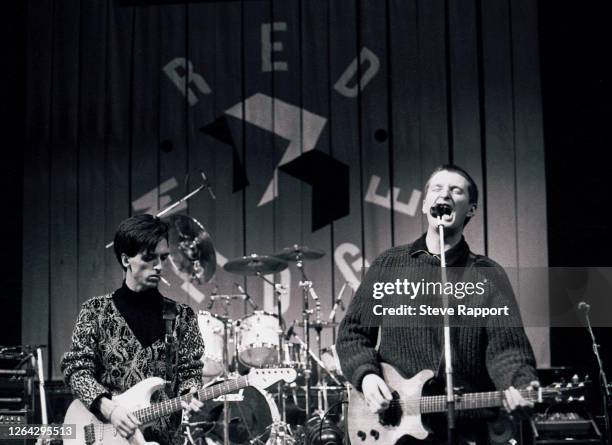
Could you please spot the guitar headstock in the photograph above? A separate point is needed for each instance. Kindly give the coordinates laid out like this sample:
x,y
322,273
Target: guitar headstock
x,y
266,377
564,392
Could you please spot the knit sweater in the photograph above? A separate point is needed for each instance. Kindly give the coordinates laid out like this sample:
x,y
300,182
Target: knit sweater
x,y
496,354
107,358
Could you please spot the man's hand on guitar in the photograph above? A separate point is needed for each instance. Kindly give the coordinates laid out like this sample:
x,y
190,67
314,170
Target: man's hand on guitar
x,y
123,421
194,404
515,403
376,393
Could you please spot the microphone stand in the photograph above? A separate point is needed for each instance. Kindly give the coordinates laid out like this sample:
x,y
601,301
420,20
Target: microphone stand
x,y
603,380
204,185
450,387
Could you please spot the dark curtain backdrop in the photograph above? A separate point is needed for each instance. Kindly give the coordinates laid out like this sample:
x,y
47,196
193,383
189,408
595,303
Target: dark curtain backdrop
x,y
317,123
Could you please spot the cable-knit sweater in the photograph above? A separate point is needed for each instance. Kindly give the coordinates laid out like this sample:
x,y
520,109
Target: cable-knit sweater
x,y
494,354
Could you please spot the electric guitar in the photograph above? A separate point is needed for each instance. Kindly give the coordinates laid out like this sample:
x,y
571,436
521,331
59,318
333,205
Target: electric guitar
x,y
403,417
137,399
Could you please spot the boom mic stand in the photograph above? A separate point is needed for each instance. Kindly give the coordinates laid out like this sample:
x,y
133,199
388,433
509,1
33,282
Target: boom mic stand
x,y
603,380
437,211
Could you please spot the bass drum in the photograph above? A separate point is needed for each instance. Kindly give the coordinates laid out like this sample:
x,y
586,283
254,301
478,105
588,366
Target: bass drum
x,y
249,419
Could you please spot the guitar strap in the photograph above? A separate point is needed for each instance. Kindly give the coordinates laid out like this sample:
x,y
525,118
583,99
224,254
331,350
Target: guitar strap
x,y
170,343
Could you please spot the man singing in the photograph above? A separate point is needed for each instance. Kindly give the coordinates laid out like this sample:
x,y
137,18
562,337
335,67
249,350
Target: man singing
x,y
119,338
496,354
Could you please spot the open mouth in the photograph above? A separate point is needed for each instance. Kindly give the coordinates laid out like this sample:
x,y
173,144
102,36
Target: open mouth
x,y
446,210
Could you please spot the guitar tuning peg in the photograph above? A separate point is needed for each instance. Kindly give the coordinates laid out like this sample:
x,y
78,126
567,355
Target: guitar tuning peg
x,y
575,378
459,390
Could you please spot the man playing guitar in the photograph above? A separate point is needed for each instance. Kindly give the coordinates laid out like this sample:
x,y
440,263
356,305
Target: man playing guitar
x,y
492,356
135,333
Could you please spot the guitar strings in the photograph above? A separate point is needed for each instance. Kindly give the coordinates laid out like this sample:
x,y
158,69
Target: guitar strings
x,y
492,397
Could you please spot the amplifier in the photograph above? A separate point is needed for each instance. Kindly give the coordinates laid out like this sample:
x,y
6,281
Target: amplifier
x,y
561,427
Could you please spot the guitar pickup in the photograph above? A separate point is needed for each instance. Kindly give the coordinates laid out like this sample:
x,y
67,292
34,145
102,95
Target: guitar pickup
x,y
237,397
392,416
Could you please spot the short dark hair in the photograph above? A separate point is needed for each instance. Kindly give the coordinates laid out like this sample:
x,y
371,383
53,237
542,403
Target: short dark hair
x,y
139,233
472,187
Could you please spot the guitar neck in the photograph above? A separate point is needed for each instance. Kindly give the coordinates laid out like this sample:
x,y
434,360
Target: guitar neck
x,y
167,407
492,399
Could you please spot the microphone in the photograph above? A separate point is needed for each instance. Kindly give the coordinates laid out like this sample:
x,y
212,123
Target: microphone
x,y
207,185
583,306
338,302
290,331
247,297
440,209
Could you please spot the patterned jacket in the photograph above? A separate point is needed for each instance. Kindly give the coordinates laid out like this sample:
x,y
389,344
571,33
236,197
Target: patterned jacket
x,y
105,358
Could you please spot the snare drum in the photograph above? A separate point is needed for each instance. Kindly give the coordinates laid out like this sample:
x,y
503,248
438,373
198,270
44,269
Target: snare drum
x,y
211,329
258,339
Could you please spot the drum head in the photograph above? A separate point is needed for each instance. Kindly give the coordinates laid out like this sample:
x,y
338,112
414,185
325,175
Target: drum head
x,y
259,356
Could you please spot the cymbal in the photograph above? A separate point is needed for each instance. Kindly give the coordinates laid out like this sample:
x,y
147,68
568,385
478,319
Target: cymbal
x,y
319,324
192,253
297,252
255,265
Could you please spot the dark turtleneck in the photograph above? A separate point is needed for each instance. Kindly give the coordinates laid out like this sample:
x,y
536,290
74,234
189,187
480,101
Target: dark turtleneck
x,y
142,312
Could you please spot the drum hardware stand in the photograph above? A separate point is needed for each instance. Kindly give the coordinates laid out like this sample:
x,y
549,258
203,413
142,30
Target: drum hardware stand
x,y
186,426
321,389
280,429
205,185
306,285
337,304
320,386
228,324
280,433
227,301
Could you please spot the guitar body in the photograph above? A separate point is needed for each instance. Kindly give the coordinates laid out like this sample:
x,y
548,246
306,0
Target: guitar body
x,y
137,397
366,428
137,401
403,417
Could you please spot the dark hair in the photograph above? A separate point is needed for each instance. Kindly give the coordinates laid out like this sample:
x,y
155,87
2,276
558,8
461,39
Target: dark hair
x,y
138,234
472,187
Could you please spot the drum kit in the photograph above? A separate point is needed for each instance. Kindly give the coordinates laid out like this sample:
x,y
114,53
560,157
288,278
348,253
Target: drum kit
x,y
304,412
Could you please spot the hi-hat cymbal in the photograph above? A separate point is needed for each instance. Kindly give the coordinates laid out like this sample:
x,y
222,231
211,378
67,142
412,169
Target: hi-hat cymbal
x,y
192,253
255,265
297,253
